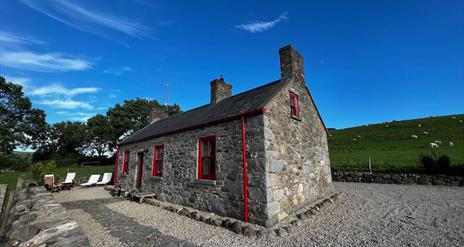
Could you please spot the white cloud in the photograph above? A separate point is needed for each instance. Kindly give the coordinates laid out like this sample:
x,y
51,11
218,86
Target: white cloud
x,y
261,26
60,90
66,104
23,81
45,62
117,71
78,17
6,37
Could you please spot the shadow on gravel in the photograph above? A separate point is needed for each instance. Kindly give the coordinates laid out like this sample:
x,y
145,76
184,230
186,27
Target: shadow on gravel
x,y
122,227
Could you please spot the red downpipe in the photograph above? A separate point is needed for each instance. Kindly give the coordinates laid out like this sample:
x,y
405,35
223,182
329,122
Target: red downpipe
x,y
116,168
245,177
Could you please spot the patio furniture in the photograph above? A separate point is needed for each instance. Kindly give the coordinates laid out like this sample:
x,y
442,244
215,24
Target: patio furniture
x,y
106,178
92,181
69,181
49,183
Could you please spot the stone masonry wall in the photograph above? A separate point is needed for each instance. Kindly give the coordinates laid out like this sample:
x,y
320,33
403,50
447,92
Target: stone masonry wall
x,y
179,183
36,219
297,155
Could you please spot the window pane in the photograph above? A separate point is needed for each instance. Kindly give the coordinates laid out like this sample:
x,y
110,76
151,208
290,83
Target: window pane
x,y
207,148
206,166
159,153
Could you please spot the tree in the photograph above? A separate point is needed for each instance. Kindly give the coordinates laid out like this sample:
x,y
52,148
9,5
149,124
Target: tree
x,y
134,115
20,124
100,134
67,137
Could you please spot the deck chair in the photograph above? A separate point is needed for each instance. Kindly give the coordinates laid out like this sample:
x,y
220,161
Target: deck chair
x,y
49,181
92,181
106,178
69,181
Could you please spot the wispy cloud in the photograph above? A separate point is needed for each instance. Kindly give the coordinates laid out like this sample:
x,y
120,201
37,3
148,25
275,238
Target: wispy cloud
x,y
45,62
23,81
6,37
60,90
76,116
261,26
117,71
66,104
84,19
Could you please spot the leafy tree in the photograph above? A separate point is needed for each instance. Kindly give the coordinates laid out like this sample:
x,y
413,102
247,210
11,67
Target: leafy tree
x,y
67,137
20,124
134,115
100,135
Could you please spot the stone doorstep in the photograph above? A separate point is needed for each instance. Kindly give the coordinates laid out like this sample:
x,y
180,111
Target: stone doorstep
x,y
281,229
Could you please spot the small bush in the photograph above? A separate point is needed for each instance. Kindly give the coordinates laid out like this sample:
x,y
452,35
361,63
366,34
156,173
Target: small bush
x,y
40,169
457,170
433,164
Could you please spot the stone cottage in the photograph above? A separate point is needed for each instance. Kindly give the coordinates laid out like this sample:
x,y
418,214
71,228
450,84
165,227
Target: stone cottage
x,y
259,155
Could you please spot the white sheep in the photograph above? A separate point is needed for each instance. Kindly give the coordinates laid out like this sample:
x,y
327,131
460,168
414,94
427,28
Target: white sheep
x,y
433,145
387,126
419,125
359,136
414,136
438,142
426,133
451,144
453,117
354,139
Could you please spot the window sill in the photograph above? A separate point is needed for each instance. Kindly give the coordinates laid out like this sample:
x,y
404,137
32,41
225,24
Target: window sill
x,y
297,118
205,181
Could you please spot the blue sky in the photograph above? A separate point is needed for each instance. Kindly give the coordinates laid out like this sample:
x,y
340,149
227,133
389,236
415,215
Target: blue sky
x,y
365,61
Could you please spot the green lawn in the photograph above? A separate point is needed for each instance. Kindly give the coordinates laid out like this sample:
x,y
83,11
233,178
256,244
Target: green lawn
x,y
60,173
391,146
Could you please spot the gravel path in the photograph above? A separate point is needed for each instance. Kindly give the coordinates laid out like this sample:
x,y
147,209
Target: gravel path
x,y
365,215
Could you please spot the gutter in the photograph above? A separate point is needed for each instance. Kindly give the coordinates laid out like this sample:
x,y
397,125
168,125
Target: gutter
x,y
245,177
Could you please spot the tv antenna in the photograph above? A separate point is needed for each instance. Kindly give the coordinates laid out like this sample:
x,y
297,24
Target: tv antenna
x,y
166,93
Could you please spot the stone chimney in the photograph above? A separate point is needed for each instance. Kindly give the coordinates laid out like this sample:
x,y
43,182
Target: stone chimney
x,y
291,63
220,90
157,114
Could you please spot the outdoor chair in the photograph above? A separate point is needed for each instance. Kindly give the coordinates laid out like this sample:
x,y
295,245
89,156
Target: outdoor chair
x,y
92,181
49,183
69,181
106,178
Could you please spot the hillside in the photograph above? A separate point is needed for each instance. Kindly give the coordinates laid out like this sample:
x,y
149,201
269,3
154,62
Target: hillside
x,y
391,145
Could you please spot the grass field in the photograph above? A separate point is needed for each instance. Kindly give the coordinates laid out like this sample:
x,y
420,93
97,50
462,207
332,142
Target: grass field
x,y
391,146
60,174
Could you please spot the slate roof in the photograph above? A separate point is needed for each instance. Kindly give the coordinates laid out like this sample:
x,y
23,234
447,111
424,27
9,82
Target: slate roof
x,y
227,109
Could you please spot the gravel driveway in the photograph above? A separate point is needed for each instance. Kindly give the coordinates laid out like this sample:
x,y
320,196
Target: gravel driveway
x,y
365,215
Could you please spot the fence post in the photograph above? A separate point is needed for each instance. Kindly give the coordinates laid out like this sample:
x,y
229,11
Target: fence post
x,y
370,165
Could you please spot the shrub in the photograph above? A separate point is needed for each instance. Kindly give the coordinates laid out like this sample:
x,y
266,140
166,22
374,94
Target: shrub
x,y
457,170
40,169
433,164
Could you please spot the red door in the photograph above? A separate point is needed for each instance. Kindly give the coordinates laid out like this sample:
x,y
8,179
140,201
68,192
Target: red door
x,y
139,171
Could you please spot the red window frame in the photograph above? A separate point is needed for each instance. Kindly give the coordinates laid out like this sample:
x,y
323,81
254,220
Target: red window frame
x,y
157,170
125,162
294,108
212,157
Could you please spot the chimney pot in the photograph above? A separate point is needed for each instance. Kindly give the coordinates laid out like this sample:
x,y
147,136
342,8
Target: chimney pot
x,y
157,114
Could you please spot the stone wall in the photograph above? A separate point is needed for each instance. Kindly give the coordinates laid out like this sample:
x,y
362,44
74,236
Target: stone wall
x,y
367,177
36,219
179,183
297,155
3,190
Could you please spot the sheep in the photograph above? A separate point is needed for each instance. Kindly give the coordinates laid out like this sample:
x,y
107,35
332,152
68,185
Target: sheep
x,y
419,125
354,139
414,136
438,142
426,133
451,144
387,126
359,136
453,117
433,145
